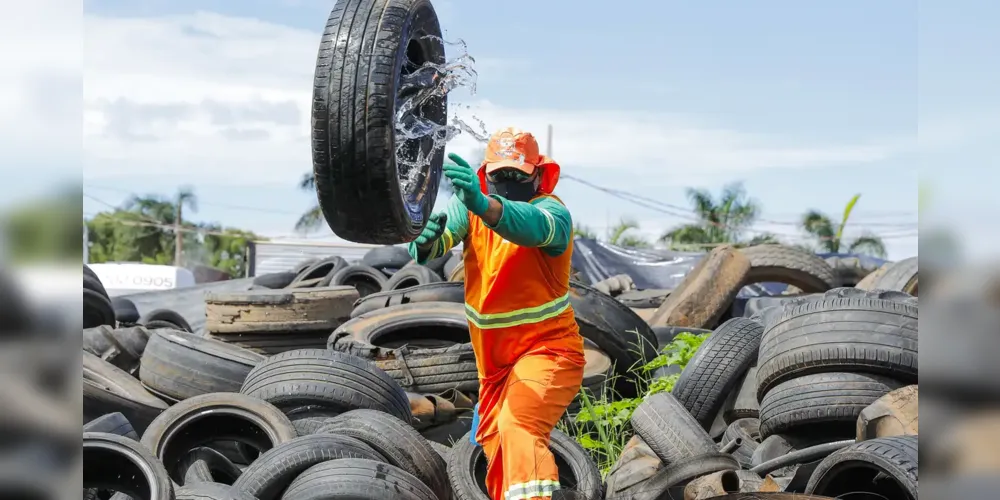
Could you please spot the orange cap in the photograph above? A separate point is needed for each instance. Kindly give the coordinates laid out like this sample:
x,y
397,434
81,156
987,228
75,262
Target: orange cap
x,y
512,148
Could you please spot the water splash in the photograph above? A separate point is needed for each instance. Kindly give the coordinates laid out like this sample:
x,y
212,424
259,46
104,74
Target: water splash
x,y
421,90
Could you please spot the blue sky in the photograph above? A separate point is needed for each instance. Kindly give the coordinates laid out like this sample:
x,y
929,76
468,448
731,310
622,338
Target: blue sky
x,y
806,103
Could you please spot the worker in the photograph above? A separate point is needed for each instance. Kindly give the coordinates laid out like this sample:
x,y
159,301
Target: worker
x,y
517,239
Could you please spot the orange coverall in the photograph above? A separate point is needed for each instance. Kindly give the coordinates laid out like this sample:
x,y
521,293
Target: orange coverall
x,y
529,351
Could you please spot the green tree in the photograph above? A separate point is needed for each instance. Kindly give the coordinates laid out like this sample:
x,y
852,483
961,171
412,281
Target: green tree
x,y
722,220
226,248
622,234
312,220
829,235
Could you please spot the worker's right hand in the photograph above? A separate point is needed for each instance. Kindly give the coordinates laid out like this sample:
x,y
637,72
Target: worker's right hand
x,y
432,231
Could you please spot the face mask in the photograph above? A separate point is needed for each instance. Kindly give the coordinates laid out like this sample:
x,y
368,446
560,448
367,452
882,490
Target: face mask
x,y
512,186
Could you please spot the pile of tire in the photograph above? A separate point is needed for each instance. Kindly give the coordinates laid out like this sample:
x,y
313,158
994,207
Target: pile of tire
x,y
383,268
170,414
811,394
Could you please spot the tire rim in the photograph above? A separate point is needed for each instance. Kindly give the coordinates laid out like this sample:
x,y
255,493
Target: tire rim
x,y
416,187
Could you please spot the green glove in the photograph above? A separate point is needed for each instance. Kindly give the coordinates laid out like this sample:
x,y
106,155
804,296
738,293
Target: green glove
x,y
432,231
466,185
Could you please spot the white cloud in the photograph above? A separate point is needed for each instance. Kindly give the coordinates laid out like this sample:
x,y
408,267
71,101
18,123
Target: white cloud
x,y
154,88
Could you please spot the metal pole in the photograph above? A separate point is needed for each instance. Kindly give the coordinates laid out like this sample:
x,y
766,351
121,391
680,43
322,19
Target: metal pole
x,y
548,143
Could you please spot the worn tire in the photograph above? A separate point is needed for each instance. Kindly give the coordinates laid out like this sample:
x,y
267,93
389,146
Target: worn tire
x,y
840,334
706,292
353,478
717,366
309,425
181,365
850,270
643,299
318,271
125,310
829,402
745,404
425,325
444,291
362,55
670,431
411,276
454,259
365,279
165,318
662,483
107,389
398,442
112,423
116,463
387,259
205,465
317,382
893,458
122,347
210,491
275,281
443,451
577,470
97,310
898,276
747,429
617,330
789,265
274,470
209,418
458,272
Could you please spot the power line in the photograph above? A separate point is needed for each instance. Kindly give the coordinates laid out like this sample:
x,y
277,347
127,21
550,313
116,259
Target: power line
x,y
207,204
674,211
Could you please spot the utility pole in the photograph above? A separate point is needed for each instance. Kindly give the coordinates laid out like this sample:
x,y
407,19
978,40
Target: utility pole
x,y
178,237
548,143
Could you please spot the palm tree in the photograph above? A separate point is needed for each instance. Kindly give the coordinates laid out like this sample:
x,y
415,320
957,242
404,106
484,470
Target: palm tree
x,y
620,235
830,235
185,196
312,219
719,221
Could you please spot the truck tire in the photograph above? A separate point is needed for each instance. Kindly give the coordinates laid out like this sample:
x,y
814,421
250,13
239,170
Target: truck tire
x,y
181,365
323,382
892,459
717,366
828,403
357,478
367,49
849,330
788,265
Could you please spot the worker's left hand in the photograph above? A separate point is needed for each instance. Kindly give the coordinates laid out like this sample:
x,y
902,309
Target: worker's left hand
x,y
466,184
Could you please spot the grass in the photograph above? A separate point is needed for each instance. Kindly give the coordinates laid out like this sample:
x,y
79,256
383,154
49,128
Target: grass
x,y
603,424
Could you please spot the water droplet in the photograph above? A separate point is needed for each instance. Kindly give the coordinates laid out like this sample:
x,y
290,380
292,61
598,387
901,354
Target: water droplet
x,y
422,88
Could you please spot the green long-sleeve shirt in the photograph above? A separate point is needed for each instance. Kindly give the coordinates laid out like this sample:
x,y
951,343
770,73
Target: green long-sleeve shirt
x,y
542,223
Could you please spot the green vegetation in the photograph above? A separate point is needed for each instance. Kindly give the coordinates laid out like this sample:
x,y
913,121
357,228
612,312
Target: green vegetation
x,y
829,235
603,425
148,229
720,221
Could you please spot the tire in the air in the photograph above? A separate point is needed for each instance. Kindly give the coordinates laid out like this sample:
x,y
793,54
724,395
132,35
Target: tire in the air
x,y
366,49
